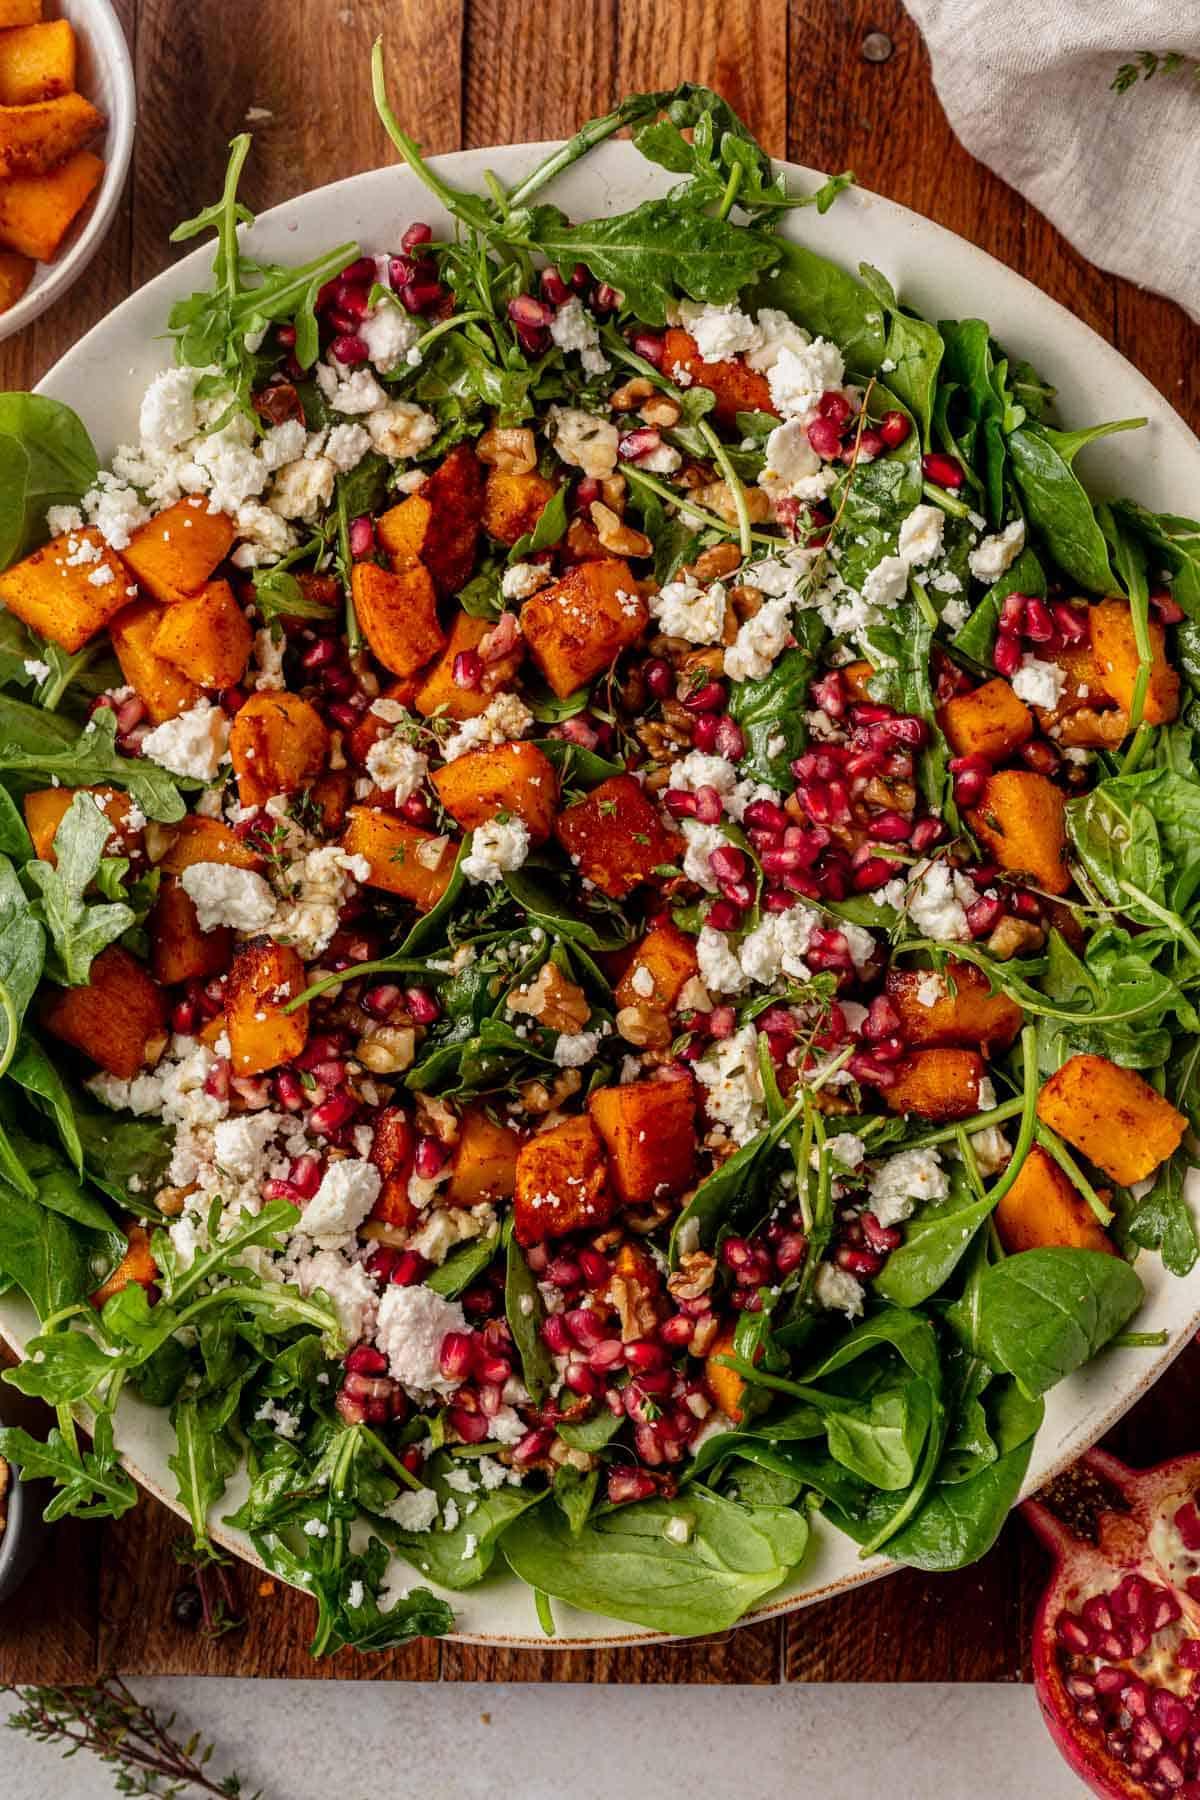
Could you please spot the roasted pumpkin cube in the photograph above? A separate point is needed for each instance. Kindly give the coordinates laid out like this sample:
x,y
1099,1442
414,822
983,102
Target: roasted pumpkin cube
x,y
581,624
198,840
392,1153
61,590
175,552
398,614
1083,716
16,273
19,12
118,1020
725,1385
36,137
37,62
937,1084
615,837
164,688
933,1017
1112,1115
1043,1209
137,1265
513,504
278,745
330,795
990,721
1110,628
562,1183
440,695
440,525
46,808
660,968
484,1165
208,637
179,950
263,980
737,388
1022,821
37,211
512,778
403,859
649,1132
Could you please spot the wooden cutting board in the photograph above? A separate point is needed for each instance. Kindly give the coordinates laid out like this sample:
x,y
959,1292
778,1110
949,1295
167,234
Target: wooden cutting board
x,y
468,72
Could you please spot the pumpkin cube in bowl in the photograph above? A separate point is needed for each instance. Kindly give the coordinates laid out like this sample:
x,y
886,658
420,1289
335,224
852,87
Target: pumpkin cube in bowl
x,y
1112,1115
68,590
580,625
263,981
439,525
118,1020
649,1131
937,1085
615,837
174,553
506,778
562,1183
416,865
1043,1209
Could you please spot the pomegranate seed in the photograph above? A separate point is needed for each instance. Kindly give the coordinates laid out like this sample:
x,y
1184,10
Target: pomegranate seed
x,y
605,299
927,833
1006,654
554,1334
724,915
728,863
882,1019
891,828
859,1262
304,1174
429,1157
596,1269
721,1022
825,437
582,1380
417,233
363,1360
1070,624
624,1485
554,288
709,806
704,732
869,446
730,743
679,803
1040,756
350,1409
766,815
643,1355
894,429
184,1016
534,1443
834,405
706,699
880,1237
471,1427
1039,625
382,1000
971,775
216,1082
286,335
362,536
659,678
410,1268
640,443
348,349
650,346
525,310
829,695
353,301
421,1006
331,1114
585,1327
790,1251
984,916
874,872
677,1331
454,1357
421,296
946,471
1168,610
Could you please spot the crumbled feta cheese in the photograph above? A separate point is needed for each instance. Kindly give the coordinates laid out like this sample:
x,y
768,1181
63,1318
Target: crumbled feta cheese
x,y
921,535
38,669
642,982
684,609
574,329
496,847
357,393
225,895
719,331
115,510
846,1149
887,582
930,989
346,446
1039,683
720,969
798,378
414,1510
776,333
60,520
303,489
701,841
937,901
900,1182
838,1291
268,660
389,334
993,555
728,1072
505,719
396,767
777,945
575,1049
583,440
167,417
523,579
318,884
195,743
790,459
412,1324
759,641
348,1191
239,1142
350,1290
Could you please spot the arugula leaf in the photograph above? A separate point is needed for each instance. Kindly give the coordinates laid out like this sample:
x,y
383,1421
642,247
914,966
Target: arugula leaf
x,y
78,932
771,711
40,743
91,1483
203,1461
1163,1220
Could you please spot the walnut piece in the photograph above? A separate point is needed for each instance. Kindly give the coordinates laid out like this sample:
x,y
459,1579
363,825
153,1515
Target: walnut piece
x,y
644,1026
693,1277
552,1000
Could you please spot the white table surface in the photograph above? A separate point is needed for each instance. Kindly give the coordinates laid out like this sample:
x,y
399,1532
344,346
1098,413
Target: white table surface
x,y
363,1741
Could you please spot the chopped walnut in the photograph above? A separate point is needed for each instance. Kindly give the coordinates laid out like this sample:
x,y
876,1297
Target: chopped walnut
x,y
537,1098
562,1455
712,661
436,1119
615,535
170,1201
693,996
630,397
635,1308
707,1330
745,600
613,489
552,1000
660,741
661,411
512,451
712,564
693,1277
1012,936
386,1049
644,1026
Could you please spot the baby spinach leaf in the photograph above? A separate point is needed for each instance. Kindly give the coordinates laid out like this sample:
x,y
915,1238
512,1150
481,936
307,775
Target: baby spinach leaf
x,y
525,1313
1175,542
827,300
978,635
591,1434
534,893
47,1255
1044,1313
881,1441
60,466
623,1565
465,1264
935,1241
78,931
14,485
22,952
914,350
1057,505
460,1557
574,1493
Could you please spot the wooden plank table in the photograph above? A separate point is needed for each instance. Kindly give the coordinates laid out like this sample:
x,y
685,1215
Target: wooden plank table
x,y
469,72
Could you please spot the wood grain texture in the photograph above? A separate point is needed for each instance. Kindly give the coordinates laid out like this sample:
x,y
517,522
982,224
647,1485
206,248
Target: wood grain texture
x,y
494,71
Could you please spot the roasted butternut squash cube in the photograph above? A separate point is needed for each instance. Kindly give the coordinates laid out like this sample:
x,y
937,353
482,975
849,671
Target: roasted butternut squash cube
x,y
37,62
1112,1115
581,624
174,553
35,137
737,388
278,745
198,840
137,1265
512,778
118,1020
208,637
1110,628
615,837
19,12
403,859
649,1132
68,590
330,795
937,1084
1083,716
484,1165
1043,1209
513,504
660,968
989,722
263,979
179,950
16,273
932,1017
398,614
1022,821
439,695
562,1183
46,808
164,688
440,525
725,1385
37,211
392,1153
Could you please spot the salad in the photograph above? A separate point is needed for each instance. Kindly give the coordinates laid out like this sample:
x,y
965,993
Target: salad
x,y
598,905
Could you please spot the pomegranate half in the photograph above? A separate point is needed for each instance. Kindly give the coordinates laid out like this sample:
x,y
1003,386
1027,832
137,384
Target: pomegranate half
x,y
1116,1648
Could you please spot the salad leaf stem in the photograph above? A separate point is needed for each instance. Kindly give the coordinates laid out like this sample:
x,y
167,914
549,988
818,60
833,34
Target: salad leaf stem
x,y
393,1462
1029,1075
721,457
1054,1147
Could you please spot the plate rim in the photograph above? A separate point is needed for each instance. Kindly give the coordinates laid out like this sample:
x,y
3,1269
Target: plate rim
x,y
474,160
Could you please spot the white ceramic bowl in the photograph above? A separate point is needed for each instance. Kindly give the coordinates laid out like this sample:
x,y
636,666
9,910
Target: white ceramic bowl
x,y
944,277
105,77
